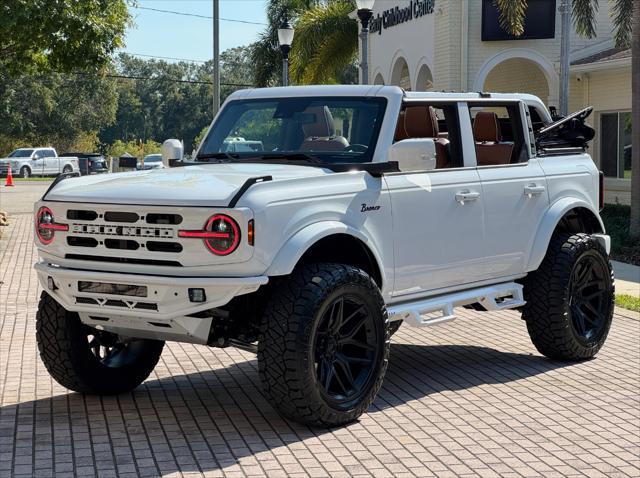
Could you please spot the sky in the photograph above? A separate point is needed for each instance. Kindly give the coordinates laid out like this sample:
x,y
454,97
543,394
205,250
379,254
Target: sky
x,y
162,34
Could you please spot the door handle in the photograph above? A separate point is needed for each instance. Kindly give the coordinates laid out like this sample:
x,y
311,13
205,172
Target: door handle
x,y
533,190
467,196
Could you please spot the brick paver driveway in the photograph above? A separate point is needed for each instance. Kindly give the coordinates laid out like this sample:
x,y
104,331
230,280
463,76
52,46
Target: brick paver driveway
x,y
471,397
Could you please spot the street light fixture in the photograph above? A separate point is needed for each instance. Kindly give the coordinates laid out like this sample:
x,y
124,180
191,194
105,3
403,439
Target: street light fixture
x,y
364,14
285,38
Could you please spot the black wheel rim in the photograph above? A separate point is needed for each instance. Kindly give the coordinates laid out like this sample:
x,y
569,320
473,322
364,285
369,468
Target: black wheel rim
x,y
345,350
589,302
110,349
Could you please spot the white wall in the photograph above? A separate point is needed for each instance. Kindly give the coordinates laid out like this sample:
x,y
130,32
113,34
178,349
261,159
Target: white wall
x,y
413,40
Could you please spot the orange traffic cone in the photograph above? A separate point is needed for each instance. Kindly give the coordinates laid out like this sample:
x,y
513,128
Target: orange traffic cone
x,y
9,177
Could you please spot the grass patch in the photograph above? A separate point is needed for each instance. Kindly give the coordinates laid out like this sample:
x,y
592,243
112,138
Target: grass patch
x,y
32,179
616,221
628,302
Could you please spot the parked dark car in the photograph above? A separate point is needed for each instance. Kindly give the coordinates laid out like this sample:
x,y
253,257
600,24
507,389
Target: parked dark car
x,y
90,163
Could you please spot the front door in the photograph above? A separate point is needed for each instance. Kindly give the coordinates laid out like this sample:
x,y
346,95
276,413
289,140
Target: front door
x,y
38,163
438,230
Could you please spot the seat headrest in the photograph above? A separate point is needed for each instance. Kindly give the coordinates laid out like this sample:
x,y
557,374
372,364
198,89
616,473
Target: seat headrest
x,y
322,125
421,122
486,127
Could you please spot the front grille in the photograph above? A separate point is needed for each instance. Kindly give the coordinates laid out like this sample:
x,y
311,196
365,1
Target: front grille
x,y
128,231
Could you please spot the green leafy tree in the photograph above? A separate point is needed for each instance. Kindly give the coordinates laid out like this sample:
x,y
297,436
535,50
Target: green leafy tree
x,y
64,111
63,35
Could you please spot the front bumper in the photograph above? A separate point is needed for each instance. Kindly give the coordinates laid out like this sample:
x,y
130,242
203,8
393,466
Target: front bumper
x,y
166,313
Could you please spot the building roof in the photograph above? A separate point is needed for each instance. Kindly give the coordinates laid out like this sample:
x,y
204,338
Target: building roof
x,y
606,55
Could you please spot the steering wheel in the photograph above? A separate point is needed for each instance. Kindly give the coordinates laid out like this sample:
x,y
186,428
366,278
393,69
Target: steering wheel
x,y
356,148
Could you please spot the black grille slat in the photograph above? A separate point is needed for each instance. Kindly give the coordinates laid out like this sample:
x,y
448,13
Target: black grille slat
x,y
124,244
121,216
82,241
81,215
154,218
122,260
157,246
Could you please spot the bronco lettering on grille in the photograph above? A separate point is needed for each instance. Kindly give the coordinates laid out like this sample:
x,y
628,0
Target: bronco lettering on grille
x,y
127,231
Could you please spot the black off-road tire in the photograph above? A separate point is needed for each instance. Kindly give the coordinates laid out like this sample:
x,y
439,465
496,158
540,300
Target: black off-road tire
x,y
288,360
64,349
25,172
552,294
67,169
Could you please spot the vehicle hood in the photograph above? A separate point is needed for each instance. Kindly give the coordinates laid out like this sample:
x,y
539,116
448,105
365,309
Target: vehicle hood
x,y
201,185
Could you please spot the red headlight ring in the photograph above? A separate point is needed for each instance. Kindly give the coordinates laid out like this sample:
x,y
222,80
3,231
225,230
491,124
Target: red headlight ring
x,y
208,234
49,226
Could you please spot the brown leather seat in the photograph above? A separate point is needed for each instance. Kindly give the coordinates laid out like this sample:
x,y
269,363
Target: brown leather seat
x,y
320,134
489,148
422,122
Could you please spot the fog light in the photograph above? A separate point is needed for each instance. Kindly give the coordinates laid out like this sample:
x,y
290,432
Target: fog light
x,y
197,295
50,284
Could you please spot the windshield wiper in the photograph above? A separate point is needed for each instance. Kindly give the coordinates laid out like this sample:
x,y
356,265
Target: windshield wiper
x,y
215,156
293,156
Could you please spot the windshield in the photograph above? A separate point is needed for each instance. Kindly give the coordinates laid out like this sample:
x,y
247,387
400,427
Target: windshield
x,y
327,130
153,158
21,153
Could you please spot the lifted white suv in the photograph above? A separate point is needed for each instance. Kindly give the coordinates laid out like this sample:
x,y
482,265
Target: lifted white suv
x,y
364,207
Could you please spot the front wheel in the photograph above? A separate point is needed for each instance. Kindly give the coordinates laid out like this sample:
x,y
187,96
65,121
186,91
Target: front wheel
x,y
570,298
324,345
25,172
87,360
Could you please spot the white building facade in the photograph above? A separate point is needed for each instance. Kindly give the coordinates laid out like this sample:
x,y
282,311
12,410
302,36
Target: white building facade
x,y
457,45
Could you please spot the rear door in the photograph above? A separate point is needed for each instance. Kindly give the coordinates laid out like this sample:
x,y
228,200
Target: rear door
x,y
514,186
51,162
438,214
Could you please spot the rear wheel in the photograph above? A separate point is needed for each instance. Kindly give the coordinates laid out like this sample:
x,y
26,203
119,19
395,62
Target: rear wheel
x,y
66,169
87,360
324,345
570,298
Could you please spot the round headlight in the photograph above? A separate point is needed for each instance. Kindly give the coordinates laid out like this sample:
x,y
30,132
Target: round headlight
x,y
46,226
224,235
220,234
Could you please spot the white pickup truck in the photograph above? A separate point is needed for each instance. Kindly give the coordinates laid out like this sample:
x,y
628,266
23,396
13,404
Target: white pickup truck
x,y
366,207
27,162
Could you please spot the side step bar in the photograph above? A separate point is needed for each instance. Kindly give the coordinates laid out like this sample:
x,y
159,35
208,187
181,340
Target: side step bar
x,y
439,309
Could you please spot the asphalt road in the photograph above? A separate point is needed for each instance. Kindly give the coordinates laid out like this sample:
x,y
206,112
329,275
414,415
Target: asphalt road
x,y
19,199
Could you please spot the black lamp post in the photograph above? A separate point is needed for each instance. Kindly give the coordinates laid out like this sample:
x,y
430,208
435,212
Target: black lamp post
x,y
285,38
364,14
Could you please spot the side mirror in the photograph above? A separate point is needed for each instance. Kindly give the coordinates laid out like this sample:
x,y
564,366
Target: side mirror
x,y
172,151
415,154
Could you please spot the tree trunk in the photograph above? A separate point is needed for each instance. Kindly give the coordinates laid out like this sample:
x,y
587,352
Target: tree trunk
x,y
635,122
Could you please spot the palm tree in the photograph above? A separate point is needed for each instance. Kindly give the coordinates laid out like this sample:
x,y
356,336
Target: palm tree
x,y
626,20
265,53
326,43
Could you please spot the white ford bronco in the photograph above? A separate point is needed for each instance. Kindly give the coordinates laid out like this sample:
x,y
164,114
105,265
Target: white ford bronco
x,y
353,209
